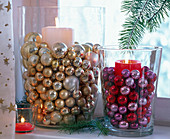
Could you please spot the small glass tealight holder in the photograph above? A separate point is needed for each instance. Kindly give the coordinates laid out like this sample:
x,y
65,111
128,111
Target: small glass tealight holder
x,y
25,118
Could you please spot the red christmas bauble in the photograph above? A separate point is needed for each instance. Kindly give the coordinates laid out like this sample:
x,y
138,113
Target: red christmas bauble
x,y
114,90
107,85
131,117
148,103
111,99
118,80
141,111
150,87
122,100
133,95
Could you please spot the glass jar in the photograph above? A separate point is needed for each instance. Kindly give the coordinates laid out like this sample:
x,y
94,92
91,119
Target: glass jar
x,y
60,64
129,84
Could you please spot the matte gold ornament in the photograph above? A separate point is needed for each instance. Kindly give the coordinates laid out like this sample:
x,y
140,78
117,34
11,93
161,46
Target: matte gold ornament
x,y
49,106
25,75
51,94
81,101
65,61
39,67
90,98
65,111
77,94
44,51
86,64
39,76
69,70
33,37
28,49
75,110
38,103
47,82
60,76
40,89
33,81
79,50
57,85
28,86
70,102
33,60
46,59
46,121
86,90
25,63
96,48
87,47
71,55
33,95
71,83
47,72
61,68
43,45
64,94
43,96
31,71
59,50
93,58
69,119
79,71
39,117
80,117
56,116
77,62
55,64
59,103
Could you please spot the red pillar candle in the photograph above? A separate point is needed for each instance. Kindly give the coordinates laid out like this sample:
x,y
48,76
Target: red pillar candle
x,y
129,64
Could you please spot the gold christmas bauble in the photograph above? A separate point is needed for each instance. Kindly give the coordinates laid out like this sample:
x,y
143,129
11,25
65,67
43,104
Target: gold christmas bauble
x,y
33,81
59,103
86,107
75,110
69,119
65,111
61,68
44,51
93,58
31,71
86,90
71,83
49,106
79,50
80,117
55,64
28,86
86,64
69,70
33,37
39,67
47,82
25,63
81,101
96,48
43,45
25,75
94,89
56,116
64,94
39,76
90,98
77,94
46,59
60,76
33,60
39,110
46,121
70,102
44,111
65,61
57,85
51,94
33,95
77,62
87,47
43,96
29,100
39,117
40,89
71,55
47,72
38,103
79,71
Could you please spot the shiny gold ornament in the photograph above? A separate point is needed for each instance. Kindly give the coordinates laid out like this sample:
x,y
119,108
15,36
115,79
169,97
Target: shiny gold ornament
x,y
39,117
77,62
44,51
92,104
96,48
59,50
40,89
75,110
90,98
33,37
79,50
47,82
69,119
39,110
47,72
28,49
86,107
81,101
57,85
71,55
25,63
43,96
69,70
31,71
56,116
28,86
38,103
84,78
61,68
49,106
70,102
33,60
55,64
87,47
79,71
46,59
29,100
65,61
27,94
80,117
33,81
60,76
64,94
33,95
46,121
39,67
71,83
39,76
65,111
86,90
93,58
25,75
59,103
51,94
53,77
86,64
43,45
77,94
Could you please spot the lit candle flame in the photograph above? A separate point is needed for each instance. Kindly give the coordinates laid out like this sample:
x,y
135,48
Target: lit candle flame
x,y
22,120
56,22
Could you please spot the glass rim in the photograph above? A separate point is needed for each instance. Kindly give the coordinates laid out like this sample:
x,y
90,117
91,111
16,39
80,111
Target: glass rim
x,y
138,48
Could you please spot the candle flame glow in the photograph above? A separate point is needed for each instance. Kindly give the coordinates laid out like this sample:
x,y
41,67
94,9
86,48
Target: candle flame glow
x,y
22,120
126,61
56,22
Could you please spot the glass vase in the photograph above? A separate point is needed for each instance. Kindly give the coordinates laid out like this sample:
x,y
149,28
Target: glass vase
x,y
129,84
60,62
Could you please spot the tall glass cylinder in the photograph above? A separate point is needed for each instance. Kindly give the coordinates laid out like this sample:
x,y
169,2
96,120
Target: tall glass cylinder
x,y
129,84
60,62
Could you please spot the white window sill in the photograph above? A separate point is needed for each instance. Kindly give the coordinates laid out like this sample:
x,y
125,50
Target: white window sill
x,y
40,133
